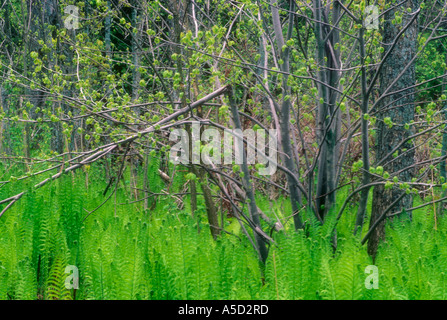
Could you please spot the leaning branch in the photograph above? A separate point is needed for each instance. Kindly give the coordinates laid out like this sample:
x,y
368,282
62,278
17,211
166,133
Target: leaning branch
x,y
105,149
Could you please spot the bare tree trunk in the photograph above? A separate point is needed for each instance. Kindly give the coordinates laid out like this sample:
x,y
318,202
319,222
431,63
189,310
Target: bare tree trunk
x,y
211,210
334,71
399,107
288,158
328,117
252,207
365,142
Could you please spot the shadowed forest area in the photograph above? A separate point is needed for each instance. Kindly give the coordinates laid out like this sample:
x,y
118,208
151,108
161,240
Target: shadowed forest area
x,y
223,150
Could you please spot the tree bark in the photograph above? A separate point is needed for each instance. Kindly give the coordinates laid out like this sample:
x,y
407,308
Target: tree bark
x,y
365,139
400,108
248,186
328,117
288,158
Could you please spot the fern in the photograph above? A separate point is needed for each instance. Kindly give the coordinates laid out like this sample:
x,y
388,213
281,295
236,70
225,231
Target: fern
x,y
164,256
56,289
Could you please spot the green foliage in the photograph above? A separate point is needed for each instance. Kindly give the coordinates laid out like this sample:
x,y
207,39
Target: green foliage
x,y
431,65
162,255
56,289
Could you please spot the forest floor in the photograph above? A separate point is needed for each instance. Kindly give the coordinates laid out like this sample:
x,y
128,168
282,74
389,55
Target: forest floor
x,y
124,252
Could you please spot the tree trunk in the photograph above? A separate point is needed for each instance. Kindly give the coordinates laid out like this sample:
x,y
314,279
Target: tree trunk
x,y
289,157
365,136
328,119
443,164
248,186
399,107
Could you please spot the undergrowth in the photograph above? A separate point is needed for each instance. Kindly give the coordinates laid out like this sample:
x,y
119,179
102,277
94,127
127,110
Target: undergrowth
x,y
124,252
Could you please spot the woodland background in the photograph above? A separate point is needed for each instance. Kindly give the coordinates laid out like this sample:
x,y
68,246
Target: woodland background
x,y
89,95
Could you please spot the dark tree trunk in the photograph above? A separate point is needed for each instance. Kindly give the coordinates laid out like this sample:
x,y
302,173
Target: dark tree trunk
x,y
329,118
400,108
284,119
